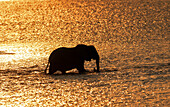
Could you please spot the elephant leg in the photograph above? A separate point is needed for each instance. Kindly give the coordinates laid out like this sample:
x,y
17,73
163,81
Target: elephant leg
x,y
52,69
80,68
63,72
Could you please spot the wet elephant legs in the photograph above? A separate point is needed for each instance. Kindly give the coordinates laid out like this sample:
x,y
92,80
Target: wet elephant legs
x,y
80,68
53,68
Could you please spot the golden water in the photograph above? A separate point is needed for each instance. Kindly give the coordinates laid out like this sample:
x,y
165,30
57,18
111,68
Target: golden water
x,y
131,38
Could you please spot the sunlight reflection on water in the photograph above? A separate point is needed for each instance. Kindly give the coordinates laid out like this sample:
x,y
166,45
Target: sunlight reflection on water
x,y
15,52
19,53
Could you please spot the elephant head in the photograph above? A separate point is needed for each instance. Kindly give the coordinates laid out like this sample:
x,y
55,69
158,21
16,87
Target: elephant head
x,y
88,53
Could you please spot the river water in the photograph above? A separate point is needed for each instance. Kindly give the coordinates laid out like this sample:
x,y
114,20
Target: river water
x,y
130,36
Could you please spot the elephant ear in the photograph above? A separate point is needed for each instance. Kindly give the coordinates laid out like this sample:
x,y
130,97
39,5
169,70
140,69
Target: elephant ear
x,y
87,52
93,52
83,51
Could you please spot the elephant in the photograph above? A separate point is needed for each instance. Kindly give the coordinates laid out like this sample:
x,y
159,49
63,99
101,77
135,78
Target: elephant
x,y
64,59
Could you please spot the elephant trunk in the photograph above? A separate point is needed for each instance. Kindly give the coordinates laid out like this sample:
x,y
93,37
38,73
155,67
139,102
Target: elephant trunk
x,y
97,63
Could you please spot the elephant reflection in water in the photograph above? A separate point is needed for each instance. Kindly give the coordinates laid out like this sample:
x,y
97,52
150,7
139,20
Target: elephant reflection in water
x,y
64,59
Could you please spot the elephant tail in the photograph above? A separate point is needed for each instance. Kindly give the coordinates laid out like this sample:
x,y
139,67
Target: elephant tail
x,y
46,68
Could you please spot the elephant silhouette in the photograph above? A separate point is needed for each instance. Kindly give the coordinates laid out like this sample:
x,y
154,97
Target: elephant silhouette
x,y
64,59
